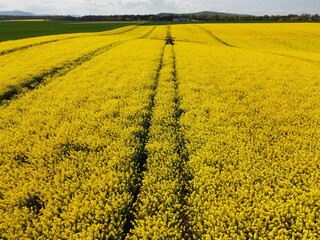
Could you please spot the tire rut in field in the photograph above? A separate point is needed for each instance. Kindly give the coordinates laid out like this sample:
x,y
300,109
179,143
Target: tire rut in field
x,y
46,77
181,151
111,34
214,36
267,52
290,56
5,52
29,46
184,175
142,153
149,32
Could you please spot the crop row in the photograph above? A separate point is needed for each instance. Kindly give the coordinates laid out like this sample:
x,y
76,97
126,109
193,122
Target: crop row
x,y
199,140
251,125
69,150
300,42
159,211
22,69
8,47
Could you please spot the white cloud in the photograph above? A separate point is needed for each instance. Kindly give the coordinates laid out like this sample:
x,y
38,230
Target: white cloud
x,y
2,5
106,7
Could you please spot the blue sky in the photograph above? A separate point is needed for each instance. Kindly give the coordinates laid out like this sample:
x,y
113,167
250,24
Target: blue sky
x,y
107,7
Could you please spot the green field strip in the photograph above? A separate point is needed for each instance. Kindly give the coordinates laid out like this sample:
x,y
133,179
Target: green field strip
x,y
14,30
56,40
125,31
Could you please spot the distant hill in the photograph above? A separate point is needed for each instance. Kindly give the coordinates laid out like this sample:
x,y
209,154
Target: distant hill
x,y
204,13
16,13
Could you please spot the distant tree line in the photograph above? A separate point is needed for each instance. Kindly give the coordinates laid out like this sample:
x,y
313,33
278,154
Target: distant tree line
x,y
175,17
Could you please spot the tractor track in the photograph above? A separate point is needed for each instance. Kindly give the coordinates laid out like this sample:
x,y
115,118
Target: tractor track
x,y
5,52
214,36
111,34
267,52
148,33
290,56
142,153
181,150
46,77
184,159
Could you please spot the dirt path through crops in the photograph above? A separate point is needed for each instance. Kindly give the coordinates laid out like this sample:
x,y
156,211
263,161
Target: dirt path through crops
x,y
142,156
182,152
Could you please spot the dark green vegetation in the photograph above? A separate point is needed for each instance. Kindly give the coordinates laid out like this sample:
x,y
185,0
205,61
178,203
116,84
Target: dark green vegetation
x,y
205,16
203,13
206,22
163,23
20,29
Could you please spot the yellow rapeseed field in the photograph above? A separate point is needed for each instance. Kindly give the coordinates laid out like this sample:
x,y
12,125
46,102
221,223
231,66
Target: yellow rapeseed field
x,y
115,135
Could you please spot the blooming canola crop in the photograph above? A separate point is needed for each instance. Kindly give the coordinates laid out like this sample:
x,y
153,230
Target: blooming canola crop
x,y
116,135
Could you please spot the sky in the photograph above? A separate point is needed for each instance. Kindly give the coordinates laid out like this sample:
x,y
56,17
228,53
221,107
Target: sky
x,y
113,7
